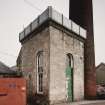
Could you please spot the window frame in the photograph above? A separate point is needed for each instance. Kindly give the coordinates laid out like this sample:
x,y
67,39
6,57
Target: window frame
x,y
39,72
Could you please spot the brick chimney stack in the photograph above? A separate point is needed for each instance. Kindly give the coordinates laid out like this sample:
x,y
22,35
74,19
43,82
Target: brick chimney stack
x,y
81,12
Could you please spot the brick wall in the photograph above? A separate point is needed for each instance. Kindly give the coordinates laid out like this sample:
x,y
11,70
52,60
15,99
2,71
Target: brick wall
x,y
12,91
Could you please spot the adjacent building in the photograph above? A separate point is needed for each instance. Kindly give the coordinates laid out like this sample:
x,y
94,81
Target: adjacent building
x,y
100,74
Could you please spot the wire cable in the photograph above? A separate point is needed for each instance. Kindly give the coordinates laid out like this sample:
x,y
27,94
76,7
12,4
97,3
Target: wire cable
x,y
29,3
7,54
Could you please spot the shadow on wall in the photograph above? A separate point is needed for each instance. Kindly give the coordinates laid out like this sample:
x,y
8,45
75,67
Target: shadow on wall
x,y
38,99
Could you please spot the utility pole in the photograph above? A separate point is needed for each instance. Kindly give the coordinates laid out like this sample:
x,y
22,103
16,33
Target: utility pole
x,y
81,12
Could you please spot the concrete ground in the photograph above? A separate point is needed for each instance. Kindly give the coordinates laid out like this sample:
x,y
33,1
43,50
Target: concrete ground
x,y
96,102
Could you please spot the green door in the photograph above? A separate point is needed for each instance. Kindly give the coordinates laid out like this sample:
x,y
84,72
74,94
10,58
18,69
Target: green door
x,y
69,81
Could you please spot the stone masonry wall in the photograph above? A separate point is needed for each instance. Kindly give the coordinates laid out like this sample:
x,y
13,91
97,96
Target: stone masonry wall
x,y
60,45
30,48
56,44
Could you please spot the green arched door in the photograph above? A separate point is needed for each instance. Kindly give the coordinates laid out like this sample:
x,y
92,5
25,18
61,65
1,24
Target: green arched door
x,y
69,78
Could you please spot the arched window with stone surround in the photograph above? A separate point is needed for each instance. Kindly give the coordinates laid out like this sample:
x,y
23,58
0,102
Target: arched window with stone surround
x,y
40,72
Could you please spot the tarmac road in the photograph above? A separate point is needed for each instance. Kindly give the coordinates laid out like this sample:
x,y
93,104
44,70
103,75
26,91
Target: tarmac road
x,y
96,102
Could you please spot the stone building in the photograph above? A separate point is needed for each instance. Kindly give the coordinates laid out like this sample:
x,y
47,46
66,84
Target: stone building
x,y
52,58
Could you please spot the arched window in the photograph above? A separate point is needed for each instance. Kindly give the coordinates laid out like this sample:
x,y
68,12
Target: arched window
x,y
40,72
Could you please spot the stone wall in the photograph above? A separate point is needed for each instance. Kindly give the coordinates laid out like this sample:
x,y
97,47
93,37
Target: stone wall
x,y
60,45
38,42
56,44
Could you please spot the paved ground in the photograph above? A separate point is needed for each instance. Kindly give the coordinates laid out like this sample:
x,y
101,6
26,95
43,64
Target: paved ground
x,y
97,102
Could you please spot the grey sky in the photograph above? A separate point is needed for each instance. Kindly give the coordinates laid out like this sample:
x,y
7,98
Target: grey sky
x,y
16,14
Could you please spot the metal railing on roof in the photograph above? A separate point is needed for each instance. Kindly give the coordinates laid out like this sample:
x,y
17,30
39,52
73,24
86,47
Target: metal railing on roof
x,y
55,16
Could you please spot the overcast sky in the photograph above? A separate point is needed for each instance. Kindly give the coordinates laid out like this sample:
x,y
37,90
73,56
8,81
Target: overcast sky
x,y
16,14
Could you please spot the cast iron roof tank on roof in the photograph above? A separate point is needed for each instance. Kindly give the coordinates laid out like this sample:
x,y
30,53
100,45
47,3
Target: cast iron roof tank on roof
x,y
52,14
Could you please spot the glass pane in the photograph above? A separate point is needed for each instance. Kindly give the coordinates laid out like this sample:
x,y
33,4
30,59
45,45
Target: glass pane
x,y
40,59
40,82
40,70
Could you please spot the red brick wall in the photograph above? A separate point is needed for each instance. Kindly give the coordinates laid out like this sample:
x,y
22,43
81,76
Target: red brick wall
x,y
81,11
12,91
